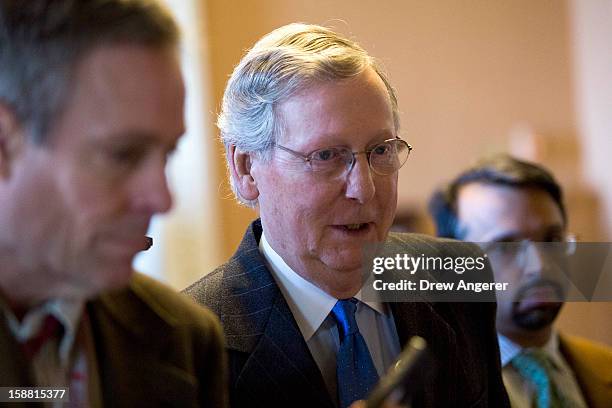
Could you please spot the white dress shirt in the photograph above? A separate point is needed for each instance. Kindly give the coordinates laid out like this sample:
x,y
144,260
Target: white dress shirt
x,y
311,309
521,391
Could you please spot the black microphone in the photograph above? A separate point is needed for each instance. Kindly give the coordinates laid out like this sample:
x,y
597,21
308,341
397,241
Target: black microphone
x,y
148,244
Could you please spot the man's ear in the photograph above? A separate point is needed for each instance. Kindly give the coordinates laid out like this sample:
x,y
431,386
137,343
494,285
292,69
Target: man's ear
x,y
11,138
240,171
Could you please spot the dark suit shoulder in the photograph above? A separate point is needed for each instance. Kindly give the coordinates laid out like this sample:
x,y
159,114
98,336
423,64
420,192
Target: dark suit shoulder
x,y
197,328
239,288
167,336
206,290
174,308
442,246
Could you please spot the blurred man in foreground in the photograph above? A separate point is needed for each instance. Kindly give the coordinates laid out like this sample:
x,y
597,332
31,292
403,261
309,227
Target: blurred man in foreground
x,y
516,203
310,124
91,105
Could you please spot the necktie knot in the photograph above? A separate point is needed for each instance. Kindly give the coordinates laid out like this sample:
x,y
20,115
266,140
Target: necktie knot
x,y
344,313
532,363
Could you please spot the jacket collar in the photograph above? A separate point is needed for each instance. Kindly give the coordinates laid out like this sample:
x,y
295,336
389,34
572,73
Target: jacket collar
x,y
257,321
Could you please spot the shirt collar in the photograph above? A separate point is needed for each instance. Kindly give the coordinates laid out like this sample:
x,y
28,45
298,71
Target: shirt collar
x,y
67,311
309,304
508,350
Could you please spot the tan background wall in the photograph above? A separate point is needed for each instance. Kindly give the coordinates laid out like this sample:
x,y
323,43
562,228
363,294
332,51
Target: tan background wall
x,y
468,74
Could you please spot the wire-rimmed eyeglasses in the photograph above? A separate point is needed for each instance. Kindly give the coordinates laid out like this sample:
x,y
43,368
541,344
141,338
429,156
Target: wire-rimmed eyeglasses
x,y
516,252
384,158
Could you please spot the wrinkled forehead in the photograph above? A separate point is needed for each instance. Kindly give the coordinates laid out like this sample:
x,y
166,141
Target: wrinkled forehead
x,y
355,112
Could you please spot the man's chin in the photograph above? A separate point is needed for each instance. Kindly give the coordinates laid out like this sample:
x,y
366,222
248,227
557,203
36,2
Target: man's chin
x,y
537,316
344,261
112,276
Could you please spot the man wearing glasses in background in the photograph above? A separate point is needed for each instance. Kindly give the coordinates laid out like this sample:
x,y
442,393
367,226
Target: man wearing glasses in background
x,y
510,204
310,125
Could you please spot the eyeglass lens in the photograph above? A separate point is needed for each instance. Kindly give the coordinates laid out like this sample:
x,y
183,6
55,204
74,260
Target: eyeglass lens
x,y
518,253
384,158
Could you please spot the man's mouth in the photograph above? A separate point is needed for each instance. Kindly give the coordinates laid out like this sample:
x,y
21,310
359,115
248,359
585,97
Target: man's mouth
x,y
354,228
540,296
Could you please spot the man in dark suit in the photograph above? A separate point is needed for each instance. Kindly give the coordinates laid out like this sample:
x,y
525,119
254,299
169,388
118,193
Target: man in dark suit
x,y
510,204
91,104
310,125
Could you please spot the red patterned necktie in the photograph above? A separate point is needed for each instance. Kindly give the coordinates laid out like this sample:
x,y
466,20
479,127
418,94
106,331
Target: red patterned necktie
x,y
48,329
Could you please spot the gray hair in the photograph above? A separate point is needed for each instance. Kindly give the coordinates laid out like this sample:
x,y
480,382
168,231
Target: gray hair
x,y
279,65
42,41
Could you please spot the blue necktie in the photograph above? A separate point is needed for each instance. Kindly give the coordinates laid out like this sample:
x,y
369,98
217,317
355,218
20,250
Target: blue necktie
x,y
535,366
354,367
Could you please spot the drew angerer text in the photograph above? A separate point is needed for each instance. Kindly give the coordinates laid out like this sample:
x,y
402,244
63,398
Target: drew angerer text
x,y
425,285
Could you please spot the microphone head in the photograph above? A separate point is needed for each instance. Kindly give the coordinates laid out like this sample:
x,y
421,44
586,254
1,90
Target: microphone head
x,y
149,243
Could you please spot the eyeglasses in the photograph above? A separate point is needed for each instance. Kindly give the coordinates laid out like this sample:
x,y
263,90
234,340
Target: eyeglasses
x,y
516,252
384,158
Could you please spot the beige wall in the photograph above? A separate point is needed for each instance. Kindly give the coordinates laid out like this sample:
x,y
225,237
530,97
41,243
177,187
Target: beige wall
x,y
591,35
466,72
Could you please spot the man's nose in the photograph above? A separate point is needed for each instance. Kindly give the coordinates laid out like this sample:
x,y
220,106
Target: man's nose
x,y
534,260
359,182
152,194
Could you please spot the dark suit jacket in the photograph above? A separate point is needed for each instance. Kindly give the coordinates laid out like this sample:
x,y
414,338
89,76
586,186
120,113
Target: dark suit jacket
x,y
270,363
154,348
592,366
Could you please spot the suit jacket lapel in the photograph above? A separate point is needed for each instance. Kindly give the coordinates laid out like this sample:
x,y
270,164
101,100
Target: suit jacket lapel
x,y
592,369
281,364
257,321
131,349
441,341
14,369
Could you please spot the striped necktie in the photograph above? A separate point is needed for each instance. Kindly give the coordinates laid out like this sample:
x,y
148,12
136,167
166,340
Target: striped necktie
x,y
535,366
